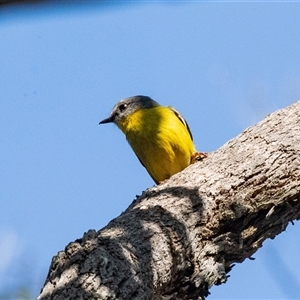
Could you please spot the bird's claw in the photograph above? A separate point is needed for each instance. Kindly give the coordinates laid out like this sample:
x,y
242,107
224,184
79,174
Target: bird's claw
x,y
198,156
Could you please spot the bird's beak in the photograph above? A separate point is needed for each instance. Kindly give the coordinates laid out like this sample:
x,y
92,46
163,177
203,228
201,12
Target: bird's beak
x,y
108,120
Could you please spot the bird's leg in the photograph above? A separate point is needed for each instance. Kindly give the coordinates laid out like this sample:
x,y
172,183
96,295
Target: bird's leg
x,y
197,156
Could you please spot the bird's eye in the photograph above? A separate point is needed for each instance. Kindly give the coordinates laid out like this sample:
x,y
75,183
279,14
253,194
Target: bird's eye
x,y
122,107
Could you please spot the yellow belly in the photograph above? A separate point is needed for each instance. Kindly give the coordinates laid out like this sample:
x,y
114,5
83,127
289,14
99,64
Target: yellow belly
x,y
160,140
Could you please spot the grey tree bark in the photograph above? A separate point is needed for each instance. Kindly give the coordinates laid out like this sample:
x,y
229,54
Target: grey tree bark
x,y
181,237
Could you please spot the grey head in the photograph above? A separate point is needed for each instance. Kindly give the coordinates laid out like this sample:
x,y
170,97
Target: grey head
x,y
127,106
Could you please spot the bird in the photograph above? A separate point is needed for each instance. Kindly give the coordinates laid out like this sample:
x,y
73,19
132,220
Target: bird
x,y
159,136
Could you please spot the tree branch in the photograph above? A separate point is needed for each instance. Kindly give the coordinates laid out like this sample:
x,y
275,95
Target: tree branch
x,y
179,238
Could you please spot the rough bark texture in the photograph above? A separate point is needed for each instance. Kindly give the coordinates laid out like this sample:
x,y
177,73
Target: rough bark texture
x,y
179,238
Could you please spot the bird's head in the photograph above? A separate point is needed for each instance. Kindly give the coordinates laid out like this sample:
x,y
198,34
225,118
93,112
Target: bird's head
x,y
128,106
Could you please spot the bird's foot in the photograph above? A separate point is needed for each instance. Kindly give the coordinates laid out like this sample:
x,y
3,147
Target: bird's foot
x,y
197,156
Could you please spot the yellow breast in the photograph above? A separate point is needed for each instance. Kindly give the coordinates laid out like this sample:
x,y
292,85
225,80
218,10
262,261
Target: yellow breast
x,y
160,140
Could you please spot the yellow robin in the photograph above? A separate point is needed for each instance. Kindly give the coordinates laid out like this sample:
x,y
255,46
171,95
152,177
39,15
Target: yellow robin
x,y
159,136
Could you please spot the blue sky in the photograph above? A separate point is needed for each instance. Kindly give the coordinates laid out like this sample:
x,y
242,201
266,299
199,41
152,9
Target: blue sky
x,y
223,65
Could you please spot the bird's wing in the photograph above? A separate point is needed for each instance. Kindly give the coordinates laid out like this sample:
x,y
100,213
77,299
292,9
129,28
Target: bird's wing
x,y
181,118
